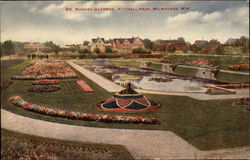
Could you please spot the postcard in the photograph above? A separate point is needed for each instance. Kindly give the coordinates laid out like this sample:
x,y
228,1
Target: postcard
x,y
125,80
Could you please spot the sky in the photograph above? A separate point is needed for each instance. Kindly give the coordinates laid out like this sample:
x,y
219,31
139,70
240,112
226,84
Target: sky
x,y
41,21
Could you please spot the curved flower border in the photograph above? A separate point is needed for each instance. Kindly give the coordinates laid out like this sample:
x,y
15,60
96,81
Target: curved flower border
x,y
18,101
40,89
45,82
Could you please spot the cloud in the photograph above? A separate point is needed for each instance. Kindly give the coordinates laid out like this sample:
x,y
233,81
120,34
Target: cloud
x,y
216,25
58,9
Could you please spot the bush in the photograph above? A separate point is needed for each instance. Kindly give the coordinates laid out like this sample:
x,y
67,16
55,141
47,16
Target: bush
x,y
148,56
84,51
103,55
81,56
140,51
109,50
171,48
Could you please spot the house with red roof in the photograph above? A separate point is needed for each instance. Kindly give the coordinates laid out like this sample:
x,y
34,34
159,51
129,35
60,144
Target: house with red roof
x,y
126,44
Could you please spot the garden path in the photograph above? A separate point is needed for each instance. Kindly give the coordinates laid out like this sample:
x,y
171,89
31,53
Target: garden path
x,y
141,144
113,87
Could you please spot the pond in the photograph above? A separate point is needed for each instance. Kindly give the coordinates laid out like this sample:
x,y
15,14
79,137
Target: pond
x,y
175,85
146,79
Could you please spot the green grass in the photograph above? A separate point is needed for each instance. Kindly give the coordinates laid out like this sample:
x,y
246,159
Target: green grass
x,y
222,61
201,123
185,71
8,72
232,78
128,62
182,70
19,142
8,63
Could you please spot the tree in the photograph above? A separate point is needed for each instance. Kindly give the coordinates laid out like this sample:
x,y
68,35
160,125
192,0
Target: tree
x,y
185,49
109,50
171,48
181,39
8,48
97,51
85,43
55,48
194,48
148,44
140,50
84,51
243,40
49,44
159,47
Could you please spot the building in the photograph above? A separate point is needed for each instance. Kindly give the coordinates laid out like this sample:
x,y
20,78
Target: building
x,y
126,44
179,44
98,43
233,42
200,43
34,46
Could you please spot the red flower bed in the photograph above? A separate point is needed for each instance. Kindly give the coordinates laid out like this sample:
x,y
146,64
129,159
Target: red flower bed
x,y
84,86
5,84
45,82
49,69
39,89
233,86
18,101
239,67
202,62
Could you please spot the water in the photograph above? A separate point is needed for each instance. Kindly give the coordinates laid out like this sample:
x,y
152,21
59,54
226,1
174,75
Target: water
x,y
176,85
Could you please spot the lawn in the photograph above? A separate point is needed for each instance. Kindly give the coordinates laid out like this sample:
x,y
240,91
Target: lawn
x,y
205,124
182,70
222,61
15,145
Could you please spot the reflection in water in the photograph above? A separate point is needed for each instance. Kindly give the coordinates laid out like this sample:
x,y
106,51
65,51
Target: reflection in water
x,y
176,85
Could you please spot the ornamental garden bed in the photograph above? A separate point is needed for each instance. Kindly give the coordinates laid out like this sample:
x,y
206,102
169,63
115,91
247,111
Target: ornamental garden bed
x,y
15,145
39,89
45,82
84,86
5,84
18,101
48,69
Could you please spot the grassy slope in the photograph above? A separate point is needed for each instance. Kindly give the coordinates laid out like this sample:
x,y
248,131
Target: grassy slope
x,y
223,61
121,151
205,124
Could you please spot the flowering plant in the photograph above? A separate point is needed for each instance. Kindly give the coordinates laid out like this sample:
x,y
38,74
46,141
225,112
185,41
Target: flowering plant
x,y
45,82
39,89
49,69
18,101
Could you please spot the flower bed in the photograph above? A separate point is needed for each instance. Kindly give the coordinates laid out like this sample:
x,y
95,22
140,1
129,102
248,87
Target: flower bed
x,y
5,84
237,67
234,86
18,101
201,62
39,89
148,55
84,86
49,69
45,82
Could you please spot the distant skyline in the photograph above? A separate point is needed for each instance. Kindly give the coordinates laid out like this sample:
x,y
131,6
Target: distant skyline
x,y
41,21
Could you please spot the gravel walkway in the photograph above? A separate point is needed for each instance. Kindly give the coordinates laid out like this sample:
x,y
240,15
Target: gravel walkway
x,y
141,144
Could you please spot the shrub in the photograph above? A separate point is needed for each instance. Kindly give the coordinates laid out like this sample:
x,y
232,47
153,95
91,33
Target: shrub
x,y
81,56
103,55
140,50
148,56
